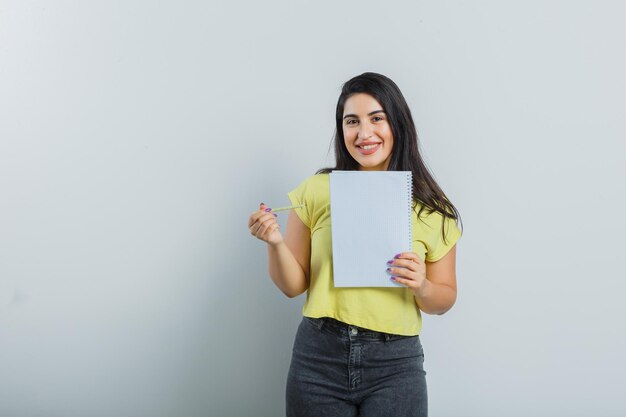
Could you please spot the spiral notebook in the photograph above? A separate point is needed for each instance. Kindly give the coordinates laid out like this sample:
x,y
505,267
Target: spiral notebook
x,y
370,214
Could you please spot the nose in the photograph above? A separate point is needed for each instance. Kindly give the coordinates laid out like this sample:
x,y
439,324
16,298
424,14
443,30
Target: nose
x,y
365,131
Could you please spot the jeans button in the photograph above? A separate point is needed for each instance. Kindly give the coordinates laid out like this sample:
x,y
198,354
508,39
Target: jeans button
x,y
353,331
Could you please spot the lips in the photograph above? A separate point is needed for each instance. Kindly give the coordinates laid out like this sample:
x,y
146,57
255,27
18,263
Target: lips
x,y
369,145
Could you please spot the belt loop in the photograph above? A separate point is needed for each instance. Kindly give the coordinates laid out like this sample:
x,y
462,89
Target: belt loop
x,y
322,322
317,323
387,337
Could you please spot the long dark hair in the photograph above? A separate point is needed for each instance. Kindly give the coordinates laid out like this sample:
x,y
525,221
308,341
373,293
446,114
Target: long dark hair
x,y
405,155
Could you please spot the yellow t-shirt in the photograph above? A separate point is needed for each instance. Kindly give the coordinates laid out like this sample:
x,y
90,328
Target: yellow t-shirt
x,y
384,309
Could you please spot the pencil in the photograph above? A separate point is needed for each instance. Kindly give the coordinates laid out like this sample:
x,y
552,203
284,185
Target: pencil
x,y
287,208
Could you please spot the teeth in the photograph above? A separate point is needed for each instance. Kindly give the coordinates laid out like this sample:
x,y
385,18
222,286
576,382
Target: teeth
x,y
369,146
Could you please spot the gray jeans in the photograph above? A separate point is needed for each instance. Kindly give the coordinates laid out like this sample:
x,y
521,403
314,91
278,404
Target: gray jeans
x,y
343,370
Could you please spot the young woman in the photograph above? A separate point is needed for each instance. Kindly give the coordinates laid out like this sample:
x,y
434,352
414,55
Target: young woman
x,y
357,351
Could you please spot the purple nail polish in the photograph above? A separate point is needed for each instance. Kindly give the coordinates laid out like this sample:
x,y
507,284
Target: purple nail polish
x,y
392,279
388,269
268,209
275,215
389,262
397,256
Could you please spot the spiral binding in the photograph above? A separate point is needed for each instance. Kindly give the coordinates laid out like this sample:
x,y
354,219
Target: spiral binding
x,y
409,187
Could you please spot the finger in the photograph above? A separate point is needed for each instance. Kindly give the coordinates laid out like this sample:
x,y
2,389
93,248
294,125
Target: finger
x,y
259,232
263,209
404,263
406,282
265,235
263,225
270,230
401,272
267,215
256,228
267,222
254,217
410,256
261,219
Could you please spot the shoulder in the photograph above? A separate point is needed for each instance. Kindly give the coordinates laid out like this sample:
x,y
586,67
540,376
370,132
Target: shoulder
x,y
314,193
317,180
430,227
313,184
426,217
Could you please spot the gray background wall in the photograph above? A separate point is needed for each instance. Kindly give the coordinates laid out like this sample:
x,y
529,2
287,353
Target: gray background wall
x,y
136,138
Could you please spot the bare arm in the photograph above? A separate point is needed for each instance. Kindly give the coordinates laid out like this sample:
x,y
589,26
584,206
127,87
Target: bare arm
x,y
433,283
288,257
437,294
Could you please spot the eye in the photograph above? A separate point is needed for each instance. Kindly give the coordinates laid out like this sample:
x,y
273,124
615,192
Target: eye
x,y
350,121
377,118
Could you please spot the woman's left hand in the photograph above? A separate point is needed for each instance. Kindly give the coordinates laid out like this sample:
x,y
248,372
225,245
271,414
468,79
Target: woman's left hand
x,y
408,269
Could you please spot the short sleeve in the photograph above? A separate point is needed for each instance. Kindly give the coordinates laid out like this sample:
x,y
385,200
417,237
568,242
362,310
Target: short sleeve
x,y
302,195
436,248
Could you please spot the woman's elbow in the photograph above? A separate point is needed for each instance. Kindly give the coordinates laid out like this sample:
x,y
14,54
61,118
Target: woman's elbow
x,y
293,293
296,291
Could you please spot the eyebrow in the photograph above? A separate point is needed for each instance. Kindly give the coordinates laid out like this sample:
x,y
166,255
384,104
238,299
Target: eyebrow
x,y
369,114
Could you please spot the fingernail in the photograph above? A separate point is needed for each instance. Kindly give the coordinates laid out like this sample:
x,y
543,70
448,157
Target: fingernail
x,y
275,215
397,256
262,204
389,262
388,269
268,209
392,279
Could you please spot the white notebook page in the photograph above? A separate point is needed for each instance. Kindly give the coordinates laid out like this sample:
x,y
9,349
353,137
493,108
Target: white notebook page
x,y
371,222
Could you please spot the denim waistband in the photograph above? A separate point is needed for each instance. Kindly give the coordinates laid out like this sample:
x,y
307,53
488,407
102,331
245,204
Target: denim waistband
x,y
348,330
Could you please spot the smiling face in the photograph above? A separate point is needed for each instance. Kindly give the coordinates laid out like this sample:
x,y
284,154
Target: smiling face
x,y
367,133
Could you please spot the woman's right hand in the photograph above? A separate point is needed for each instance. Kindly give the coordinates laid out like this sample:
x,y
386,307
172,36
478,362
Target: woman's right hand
x,y
263,225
